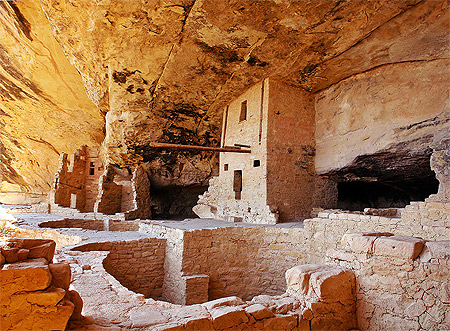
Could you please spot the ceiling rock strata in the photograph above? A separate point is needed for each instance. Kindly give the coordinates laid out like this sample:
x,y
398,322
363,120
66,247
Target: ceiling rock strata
x,y
164,70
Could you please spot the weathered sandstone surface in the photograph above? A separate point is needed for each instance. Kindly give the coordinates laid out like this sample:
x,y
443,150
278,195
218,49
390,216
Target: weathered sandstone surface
x,y
35,292
162,71
44,108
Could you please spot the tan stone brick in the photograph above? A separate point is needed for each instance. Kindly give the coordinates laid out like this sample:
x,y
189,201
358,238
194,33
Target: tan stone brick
x,y
259,311
286,322
226,317
399,246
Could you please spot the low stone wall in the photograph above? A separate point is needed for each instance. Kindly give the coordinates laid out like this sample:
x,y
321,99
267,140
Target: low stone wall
x,y
92,224
97,225
244,261
402,282
318,297
138,264
428,220
8,229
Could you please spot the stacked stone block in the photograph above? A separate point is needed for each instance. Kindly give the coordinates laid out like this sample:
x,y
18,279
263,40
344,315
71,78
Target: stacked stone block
x,y
35,292
428,220
136,264
318,297
402,282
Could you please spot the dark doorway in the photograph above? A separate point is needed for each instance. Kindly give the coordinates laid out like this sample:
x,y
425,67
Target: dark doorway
x,y
237,184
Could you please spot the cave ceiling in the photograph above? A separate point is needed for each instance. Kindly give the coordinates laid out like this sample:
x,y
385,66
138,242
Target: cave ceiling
x,y
143,71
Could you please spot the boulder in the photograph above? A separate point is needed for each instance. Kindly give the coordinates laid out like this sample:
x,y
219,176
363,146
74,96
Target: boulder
x,y
46,250
24,276
259,312
11,254
399,246
38,248
333,285
228,301
22,254
61,275
297,278
227,317
75,298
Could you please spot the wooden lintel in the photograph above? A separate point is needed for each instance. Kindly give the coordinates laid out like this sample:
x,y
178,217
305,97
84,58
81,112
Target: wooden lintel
x,y
228,149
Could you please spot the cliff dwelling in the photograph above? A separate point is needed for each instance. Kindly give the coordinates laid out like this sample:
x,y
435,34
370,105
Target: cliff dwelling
x,y
225,165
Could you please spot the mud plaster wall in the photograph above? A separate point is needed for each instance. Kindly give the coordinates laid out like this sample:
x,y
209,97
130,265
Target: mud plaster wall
x,y
371,111
398,292
242,261
137,265
246,132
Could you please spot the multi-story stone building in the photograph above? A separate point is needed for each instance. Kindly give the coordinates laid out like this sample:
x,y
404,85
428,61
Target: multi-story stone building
x,y
276,181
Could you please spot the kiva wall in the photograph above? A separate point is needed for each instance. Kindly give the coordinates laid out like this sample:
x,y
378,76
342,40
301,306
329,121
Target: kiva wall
x,y
137,265
244,261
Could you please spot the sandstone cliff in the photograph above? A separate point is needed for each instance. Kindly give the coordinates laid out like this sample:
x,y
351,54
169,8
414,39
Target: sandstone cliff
x,y
44,109
163,71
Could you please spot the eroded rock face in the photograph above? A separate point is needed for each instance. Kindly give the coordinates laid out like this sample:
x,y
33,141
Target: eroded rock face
x,y
164,70
35,292
43,106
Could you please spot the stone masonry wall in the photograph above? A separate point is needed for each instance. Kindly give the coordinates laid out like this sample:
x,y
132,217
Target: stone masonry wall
x,y
291,175
428,220
92,224
242,261
79,176
250,255
137,265
402,282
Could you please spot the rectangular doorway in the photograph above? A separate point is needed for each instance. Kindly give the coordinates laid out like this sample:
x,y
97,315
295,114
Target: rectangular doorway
x,y
73,200
237,184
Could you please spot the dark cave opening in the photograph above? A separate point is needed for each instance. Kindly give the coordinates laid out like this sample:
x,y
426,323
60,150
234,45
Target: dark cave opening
x,y
175,202
357,195
388,179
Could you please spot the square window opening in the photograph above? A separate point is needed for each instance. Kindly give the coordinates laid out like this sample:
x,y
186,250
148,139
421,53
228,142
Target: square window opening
x,y
225,167
256,163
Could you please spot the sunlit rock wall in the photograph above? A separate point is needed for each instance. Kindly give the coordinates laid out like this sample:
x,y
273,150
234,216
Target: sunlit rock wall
x,y
44,109
163,71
